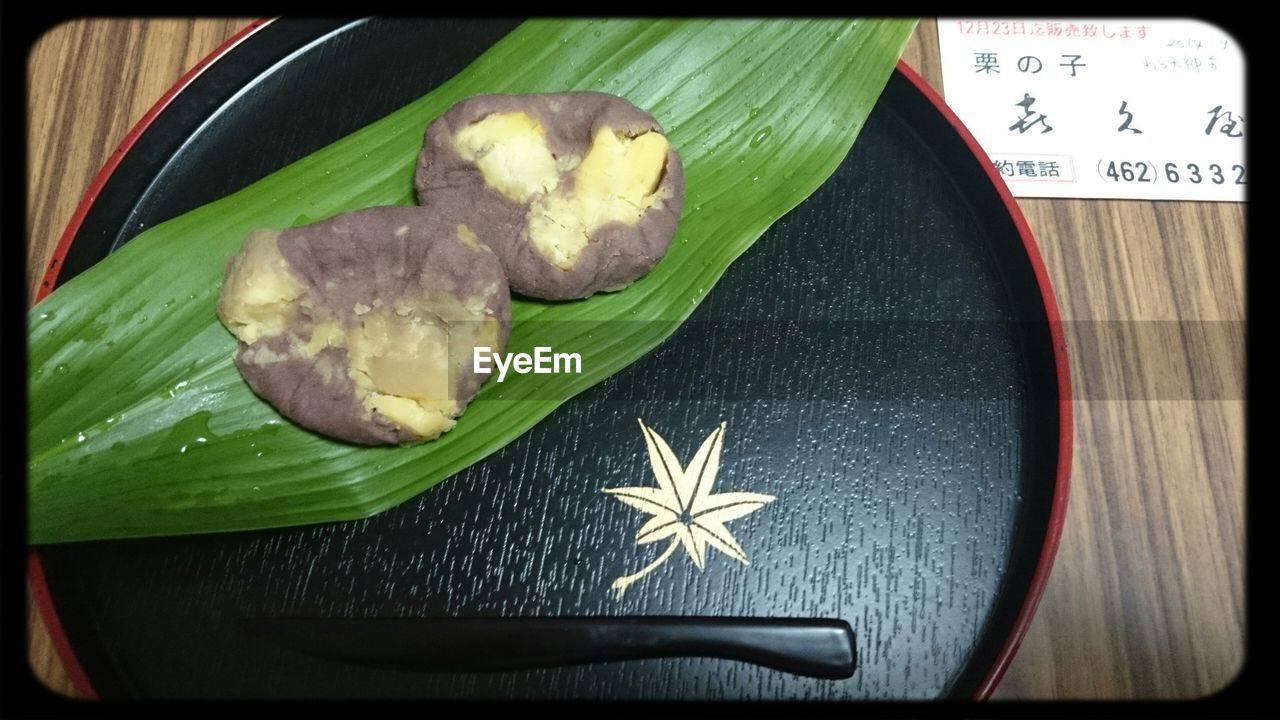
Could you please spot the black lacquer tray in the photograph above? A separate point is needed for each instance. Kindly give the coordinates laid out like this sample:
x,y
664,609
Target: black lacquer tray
x,y
885,359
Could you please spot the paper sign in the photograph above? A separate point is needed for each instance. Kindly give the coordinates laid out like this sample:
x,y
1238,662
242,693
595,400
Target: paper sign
x,y
1144,109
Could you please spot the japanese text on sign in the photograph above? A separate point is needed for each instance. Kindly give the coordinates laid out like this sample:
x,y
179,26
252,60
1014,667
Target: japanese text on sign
x,y
1106,109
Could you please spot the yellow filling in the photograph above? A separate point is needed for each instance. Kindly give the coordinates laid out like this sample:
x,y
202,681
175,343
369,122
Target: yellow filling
x,y
511,151
469,238
617,181
406,360
259,296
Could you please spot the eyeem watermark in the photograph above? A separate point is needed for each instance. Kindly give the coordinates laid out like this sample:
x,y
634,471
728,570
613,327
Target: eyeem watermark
x,y
542,362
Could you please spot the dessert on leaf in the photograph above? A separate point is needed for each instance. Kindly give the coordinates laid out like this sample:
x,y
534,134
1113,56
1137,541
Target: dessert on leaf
x,y
576,192
363,326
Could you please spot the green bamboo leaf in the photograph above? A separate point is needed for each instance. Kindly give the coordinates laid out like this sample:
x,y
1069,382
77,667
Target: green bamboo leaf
x,y
139,422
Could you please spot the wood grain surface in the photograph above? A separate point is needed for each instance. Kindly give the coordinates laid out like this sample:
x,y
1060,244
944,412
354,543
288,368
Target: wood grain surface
x,y
1146,598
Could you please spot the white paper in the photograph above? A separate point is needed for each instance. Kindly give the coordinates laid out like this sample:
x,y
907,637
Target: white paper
x,y
1115,108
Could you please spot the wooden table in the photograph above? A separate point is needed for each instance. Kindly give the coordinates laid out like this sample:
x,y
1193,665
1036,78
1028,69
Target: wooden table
x,y
1146,598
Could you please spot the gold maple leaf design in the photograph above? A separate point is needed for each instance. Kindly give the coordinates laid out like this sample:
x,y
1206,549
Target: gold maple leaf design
x,y
683,507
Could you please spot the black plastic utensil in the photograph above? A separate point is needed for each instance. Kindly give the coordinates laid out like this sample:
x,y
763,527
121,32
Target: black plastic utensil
x,y
815,648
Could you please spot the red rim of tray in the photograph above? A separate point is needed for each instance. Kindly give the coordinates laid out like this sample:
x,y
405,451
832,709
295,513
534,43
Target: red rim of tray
x,y
35,572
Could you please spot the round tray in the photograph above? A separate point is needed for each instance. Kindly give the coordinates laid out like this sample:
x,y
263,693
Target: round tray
x,y
887,358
